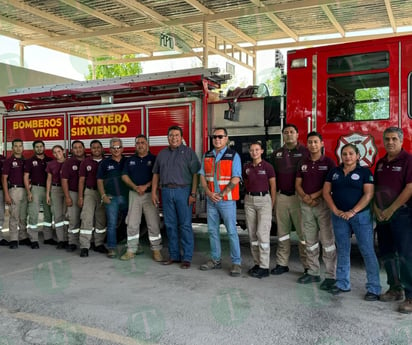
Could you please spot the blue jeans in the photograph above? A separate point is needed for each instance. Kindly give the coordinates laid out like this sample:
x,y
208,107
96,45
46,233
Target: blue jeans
x,y
361,225
117,203
178,222
225,210
395,243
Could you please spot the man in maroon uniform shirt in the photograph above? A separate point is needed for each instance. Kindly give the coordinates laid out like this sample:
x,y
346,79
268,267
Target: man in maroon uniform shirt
x,y
316,215
70,186
35,177
93,215
392,207
288,215
15,195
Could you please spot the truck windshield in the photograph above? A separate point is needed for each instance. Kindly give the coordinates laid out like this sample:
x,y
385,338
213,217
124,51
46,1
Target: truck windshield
x,y
358,97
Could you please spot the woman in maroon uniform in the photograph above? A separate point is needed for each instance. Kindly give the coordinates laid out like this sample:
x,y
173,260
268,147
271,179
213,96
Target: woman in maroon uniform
x,y
259,177
55,195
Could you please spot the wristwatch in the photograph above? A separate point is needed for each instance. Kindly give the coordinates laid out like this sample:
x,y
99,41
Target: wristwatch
x,y
193,195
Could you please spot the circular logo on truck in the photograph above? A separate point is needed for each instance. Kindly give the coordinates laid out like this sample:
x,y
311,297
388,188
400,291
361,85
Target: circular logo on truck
x,y
365,144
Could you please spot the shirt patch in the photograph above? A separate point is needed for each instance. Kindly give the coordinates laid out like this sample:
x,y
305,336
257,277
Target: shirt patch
x,y
110,167
397,169
89,168
379,167
355,177
297,155
304,167
132,163
323,167
35,163
279,154
247,171
261,172
15,164
149,163
371,178
74,167
335,176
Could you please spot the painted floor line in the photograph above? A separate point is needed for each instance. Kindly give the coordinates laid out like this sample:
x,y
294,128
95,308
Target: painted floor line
x,y
92,332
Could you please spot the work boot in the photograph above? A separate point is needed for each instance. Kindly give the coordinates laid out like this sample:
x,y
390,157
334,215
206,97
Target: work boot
x,y
127,256
406,306
84,252
71,247
211,265
13,245
157,256
236,270
253,270
260,273
111,254
35,245
25,242
4,242
392,295
308,278
327,284
279,269
139,250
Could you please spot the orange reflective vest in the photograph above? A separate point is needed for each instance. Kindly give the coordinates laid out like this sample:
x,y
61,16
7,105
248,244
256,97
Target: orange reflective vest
x,y
223,172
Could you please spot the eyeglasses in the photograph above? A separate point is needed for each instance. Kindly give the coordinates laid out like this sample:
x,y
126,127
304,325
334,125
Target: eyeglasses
x,y
116,147
220,136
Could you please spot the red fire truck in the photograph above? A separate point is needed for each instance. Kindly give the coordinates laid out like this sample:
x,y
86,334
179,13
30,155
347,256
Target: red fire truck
x,y
351,93
144,104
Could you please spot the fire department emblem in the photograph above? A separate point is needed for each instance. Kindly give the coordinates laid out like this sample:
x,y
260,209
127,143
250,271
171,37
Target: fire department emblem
x,y
35,163
89,168
365,144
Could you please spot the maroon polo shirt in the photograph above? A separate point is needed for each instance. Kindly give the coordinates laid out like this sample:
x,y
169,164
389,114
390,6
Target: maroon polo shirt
x,y
54,168
36,167
313,173
257,177
70,172
391,178
285,162
2,159
14,168
88,169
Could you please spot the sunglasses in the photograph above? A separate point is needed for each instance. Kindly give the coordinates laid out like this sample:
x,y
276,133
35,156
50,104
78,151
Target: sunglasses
x,y
220,136
116,147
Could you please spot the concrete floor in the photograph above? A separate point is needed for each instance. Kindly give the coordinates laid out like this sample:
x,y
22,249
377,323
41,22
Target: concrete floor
x,y
52,297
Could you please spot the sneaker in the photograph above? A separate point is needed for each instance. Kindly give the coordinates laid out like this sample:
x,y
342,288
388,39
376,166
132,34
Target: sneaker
x,y
392,295
157,256
253,269
236,270
111,253
371,297
126,256
279,269
101,249
211,265
308,278
327,284
406,306
260,273
84,252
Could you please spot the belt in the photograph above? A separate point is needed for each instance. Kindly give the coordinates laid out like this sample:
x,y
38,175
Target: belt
x,y
16,186
257,193
93,188
56,184
172,185
38,185
287,193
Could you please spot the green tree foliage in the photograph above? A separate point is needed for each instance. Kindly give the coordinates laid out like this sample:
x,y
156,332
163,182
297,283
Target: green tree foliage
x,y
372,103
115,70
273,82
